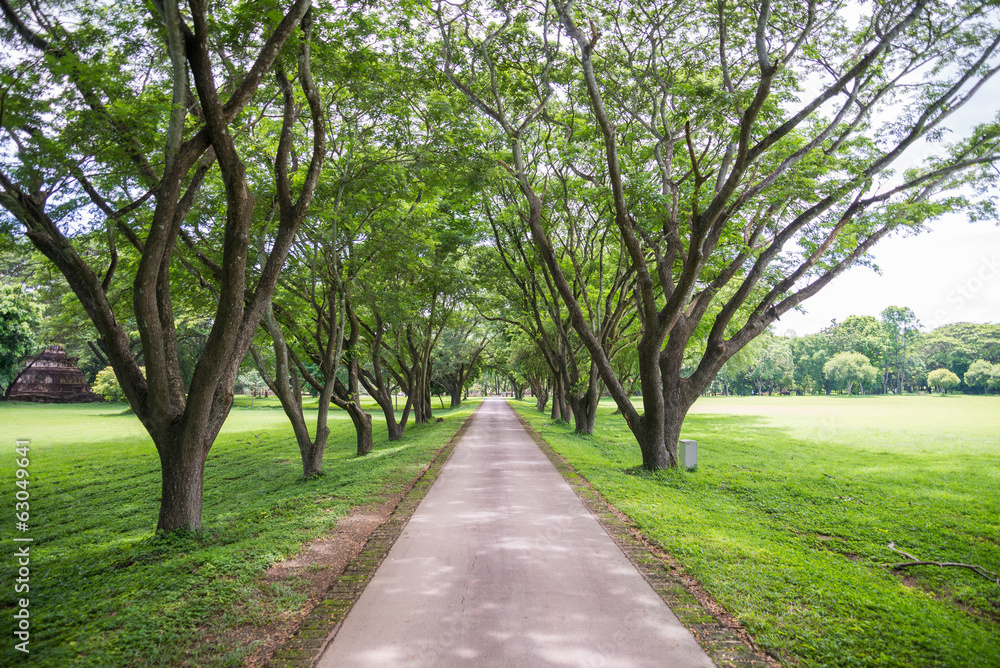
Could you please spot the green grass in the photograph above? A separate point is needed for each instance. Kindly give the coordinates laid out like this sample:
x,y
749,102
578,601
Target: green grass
x,y
104,592
787,519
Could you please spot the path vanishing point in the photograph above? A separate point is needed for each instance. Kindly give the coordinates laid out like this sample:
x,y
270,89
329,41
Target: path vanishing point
x,y
503,565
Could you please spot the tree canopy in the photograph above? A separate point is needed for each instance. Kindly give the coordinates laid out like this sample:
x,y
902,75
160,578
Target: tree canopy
x,y
845,370
740,159
115,120
942,380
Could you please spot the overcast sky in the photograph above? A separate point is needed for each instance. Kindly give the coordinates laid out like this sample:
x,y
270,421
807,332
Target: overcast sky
x,y
950,273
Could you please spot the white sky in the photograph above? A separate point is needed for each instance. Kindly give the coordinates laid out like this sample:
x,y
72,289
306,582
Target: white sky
x,y
951,273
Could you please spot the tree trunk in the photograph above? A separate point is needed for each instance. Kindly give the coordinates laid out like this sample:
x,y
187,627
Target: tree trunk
x,y
456,395
286,385
666,396
537,391
395,429
585,407
649,427
421,401
362,426
404,379
183,449
312,451
541,398
384,401
584,414
180,492
362,420
414,375
652,444
555,413
560,406
428,397
676,412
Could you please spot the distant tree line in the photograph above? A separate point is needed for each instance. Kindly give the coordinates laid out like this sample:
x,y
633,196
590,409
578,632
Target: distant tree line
x,y
868,355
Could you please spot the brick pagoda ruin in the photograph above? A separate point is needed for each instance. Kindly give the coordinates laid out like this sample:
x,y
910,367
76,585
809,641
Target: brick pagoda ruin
x,y
52,378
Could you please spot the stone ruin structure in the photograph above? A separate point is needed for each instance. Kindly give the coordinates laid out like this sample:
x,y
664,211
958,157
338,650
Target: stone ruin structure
x,y
52,378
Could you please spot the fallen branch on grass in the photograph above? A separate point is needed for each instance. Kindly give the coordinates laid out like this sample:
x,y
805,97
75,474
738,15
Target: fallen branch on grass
x,y
992,577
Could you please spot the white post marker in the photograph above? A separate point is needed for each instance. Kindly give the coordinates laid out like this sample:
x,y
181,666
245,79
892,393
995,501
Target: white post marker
x,y
687,454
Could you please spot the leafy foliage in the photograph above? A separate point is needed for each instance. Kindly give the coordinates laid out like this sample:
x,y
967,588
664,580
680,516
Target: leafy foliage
x,y
20,318
943,380
845,370
106,385
121,123
979,374
903,356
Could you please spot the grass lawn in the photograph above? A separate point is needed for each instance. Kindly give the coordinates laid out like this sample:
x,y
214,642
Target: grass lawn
x,y
103,592
788,517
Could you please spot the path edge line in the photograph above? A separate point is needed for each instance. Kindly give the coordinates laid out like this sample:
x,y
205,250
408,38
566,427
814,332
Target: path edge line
x,y
320,626
727,646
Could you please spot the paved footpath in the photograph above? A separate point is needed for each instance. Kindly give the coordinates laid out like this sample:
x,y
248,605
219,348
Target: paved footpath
x,y
502,565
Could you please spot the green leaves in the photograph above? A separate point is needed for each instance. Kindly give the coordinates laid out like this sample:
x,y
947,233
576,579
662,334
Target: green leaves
x,y
20,318
847,369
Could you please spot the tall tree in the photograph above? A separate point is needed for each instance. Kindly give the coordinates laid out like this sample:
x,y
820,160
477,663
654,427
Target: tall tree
x,y
121,119
747,162
942,380
524,360
901,326
958,345
769,363
810,353
862,334
457,355
529,299
407,299
366,186
978,376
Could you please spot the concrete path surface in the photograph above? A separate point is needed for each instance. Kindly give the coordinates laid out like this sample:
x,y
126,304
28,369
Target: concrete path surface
x,y
502,565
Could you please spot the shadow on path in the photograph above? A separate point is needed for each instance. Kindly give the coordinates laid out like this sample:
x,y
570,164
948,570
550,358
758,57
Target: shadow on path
x,y
503,565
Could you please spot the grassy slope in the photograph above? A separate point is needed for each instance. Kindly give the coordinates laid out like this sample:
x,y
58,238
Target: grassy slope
x,y
787,520
103,593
